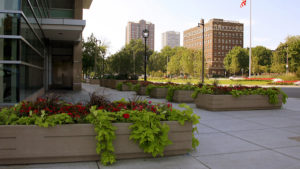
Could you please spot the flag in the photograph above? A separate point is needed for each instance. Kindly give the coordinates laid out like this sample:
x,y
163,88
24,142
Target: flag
x,y
243,3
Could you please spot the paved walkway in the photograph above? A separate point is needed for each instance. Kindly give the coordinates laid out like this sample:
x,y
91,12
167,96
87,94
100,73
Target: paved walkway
x,y
262,139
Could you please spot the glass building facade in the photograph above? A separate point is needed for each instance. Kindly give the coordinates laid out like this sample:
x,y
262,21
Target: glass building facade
x,y
25,51
22,48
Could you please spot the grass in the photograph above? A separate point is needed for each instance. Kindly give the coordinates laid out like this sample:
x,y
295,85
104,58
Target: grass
x,y
225,81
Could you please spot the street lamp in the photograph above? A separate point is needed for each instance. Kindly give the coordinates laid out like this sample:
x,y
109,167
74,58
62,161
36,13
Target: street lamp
x,y
145,35
98,43
199,25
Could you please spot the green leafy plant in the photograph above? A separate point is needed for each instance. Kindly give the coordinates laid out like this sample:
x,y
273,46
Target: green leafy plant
x,y
186,115
137,87
119,86
102,122
149,132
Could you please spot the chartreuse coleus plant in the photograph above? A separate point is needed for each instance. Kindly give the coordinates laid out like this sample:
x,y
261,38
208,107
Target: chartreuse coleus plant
x,y
272,93
9,116
172,89
147,129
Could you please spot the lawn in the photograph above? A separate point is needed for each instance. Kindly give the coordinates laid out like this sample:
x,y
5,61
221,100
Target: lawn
x,y
209,81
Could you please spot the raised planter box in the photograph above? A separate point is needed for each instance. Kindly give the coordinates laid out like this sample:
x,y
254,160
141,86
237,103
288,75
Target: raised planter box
x,y
20,144
229,102
142,91
125,87
159,93
183,96
94,81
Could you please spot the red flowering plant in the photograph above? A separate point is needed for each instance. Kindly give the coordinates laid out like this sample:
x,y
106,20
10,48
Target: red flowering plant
x,y
50,106
237,91
258,79
284,82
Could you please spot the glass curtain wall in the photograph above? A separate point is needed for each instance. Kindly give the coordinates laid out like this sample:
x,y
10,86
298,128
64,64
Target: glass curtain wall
x,y
22,48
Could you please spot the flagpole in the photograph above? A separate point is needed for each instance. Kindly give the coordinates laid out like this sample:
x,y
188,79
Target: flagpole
x,y
250,50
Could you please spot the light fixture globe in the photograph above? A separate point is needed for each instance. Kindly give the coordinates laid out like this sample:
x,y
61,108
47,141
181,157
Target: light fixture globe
x,y
145,33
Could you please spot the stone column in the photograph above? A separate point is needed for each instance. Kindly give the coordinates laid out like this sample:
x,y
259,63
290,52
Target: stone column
x,y
77,66
78,9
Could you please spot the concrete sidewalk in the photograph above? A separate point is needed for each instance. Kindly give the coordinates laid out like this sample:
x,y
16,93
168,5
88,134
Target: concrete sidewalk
x,y
262,139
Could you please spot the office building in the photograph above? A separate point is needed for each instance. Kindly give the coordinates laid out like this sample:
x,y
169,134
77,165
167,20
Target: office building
x,y
220,36
171,38
135,31
40,47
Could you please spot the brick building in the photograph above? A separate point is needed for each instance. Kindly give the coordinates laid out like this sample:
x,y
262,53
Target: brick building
x,y
220,36
135,31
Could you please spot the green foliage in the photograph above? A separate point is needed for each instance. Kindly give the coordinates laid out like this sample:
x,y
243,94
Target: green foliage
x,y
202,90
92,52
186,115
8,116
137,87
119,86
148,131
236,59
105,131
272,93
130,59
172,89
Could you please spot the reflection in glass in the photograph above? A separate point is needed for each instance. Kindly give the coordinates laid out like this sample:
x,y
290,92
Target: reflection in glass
x,y
31,80
9,4
8,49
8,83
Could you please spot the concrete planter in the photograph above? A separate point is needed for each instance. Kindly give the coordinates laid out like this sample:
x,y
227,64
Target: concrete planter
x,y
94,81
105,82
183,96
142,91
159,93
21,144
229,102
125,87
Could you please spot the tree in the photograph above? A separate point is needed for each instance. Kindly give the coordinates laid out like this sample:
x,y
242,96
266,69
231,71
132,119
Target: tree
x,y
261,59
130,59
289,49
92,54
237,59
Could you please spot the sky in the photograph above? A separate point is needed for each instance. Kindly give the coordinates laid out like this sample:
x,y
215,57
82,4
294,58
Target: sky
x,y
272,20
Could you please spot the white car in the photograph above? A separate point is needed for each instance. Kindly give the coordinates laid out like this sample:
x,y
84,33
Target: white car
x,y
277,80
297,83
235,78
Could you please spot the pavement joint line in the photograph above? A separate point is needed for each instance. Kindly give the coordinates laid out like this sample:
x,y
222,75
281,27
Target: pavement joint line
x,y
97,162
205,165
285,154
208,155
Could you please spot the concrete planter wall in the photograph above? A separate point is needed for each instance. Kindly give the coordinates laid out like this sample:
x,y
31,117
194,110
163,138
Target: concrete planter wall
x,y
159,93
229,102
94,81
183,96
125,87
105,82
142,91
76,142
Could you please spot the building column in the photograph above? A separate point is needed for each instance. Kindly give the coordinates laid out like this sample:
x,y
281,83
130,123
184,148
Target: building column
x,y
78,11
77,66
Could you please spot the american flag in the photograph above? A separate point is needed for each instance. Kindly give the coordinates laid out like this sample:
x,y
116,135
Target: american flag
x,y
243,3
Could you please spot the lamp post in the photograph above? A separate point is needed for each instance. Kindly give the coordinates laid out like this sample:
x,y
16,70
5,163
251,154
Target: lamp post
x,y
145,36
98,43
287,60
199,25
